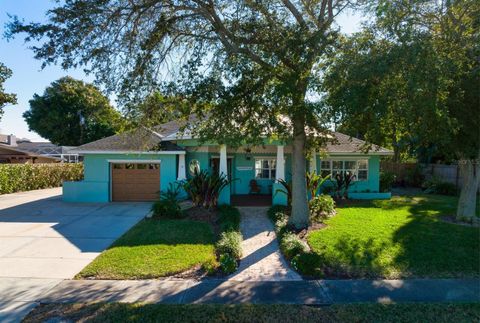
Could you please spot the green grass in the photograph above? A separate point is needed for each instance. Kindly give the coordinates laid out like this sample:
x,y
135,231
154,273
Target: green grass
x,y
257,313
401,237
155,248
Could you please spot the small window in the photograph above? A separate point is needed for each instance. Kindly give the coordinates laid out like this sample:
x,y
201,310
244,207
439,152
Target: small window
x,y
194,167
118,166
265,168
141,166
129,166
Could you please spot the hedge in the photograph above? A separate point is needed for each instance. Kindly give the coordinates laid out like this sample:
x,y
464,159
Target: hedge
x,y
27,177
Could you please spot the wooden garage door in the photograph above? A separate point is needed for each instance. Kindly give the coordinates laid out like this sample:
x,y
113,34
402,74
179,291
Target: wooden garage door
x,y
135,182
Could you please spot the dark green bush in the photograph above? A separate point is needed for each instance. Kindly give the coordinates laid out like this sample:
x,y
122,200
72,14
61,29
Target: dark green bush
x,y
437,186
228,264
229,218
276,211
291,245
386,181
27,177
167,209
321,207
230,242
308,264
168,205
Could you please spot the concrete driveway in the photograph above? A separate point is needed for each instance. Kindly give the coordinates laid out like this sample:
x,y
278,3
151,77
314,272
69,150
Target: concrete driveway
x,y
44,240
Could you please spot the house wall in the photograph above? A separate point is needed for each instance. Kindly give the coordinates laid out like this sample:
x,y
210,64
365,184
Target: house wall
x,y
96,184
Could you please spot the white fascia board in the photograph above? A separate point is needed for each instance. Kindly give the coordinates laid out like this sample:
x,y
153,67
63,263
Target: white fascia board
x,y
371,153
101,152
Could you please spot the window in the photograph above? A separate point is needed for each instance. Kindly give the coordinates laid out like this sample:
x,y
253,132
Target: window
x,y
141,166
118,166
129,166
265,168
357,167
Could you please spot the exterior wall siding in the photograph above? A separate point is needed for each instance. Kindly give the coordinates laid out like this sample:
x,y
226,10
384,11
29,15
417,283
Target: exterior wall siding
x,y
96,184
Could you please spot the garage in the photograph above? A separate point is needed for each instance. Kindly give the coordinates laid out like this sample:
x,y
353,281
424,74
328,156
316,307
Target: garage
x,y
135,181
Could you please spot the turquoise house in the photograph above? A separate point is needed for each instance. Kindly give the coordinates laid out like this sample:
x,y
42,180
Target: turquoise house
x,y
136,166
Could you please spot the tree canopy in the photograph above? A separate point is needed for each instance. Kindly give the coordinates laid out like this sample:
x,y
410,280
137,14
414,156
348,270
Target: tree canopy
x,y
415,74
5,98
254,60
71,112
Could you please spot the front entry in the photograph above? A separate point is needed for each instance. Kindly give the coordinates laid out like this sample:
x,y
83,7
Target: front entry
x,y
135,182
215,168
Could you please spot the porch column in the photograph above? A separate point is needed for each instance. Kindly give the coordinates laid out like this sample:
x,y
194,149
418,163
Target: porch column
x,y
280,173
278,197
182,174
313,162
224,197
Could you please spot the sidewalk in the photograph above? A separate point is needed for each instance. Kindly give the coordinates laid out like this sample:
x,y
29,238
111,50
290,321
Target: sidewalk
x,y
313,292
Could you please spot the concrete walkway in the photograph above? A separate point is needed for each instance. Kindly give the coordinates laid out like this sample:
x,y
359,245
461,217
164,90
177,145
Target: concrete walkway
x,y
313,292
262,259
44,240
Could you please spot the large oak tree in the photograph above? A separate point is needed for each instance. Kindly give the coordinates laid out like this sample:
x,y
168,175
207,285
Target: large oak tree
x,y
257,59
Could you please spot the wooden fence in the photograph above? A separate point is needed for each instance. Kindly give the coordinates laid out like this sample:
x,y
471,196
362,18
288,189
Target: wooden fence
x,y
403,171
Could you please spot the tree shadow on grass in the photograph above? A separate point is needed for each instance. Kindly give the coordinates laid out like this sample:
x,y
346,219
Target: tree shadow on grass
x,y
421,246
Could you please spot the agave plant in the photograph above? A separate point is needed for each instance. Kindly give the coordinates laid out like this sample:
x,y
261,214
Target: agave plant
x,y
204,188
314,182
342,184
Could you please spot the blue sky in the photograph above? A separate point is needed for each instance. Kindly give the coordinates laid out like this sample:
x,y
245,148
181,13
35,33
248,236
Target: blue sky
x,y
28,77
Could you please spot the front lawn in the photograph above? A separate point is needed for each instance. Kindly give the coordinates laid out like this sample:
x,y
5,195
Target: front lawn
x,y
155,248
401,237
255,313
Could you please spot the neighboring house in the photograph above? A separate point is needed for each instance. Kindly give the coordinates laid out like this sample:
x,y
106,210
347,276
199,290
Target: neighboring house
x,y
48,151
135,166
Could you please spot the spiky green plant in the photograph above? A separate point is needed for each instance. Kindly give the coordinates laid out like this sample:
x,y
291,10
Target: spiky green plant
x,y
204,188
314,182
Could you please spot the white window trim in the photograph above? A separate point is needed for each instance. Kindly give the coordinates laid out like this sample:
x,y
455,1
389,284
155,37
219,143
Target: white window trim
x,y
330,160
274,158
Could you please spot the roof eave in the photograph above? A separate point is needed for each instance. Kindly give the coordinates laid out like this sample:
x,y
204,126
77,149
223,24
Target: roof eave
x,y
138,152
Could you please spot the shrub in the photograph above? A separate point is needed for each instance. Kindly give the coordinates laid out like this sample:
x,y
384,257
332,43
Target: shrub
x,y
168,205
386,181
230,243
291,245
228,264
308,264
277,211
281,226
229,219
27,177
321,207
437,186
166,208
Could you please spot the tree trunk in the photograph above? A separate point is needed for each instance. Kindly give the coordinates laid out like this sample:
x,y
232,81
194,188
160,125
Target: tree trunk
x,y
300,214
470,173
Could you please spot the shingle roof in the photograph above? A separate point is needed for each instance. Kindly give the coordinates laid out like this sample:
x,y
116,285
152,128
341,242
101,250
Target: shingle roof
x,y
159,138
346,144
141,139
